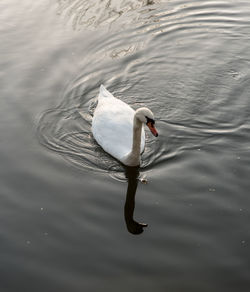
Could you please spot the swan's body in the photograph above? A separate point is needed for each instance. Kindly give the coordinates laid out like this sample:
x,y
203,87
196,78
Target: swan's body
x,y
117,128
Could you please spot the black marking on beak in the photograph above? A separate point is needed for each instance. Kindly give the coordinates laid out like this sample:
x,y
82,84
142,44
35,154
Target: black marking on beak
x,y
150,121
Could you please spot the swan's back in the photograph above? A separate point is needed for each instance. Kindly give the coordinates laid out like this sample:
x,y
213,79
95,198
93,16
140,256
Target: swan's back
x,y
112,125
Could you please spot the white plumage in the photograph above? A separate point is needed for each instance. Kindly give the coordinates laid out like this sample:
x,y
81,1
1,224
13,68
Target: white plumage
x,y
112,125
115,125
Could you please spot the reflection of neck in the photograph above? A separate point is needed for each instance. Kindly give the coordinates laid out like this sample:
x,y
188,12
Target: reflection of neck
x,y
130,198
134,227
133,158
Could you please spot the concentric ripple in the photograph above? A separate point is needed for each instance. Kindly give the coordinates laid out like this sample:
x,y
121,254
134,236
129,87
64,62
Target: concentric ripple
x,y
67,131
171,61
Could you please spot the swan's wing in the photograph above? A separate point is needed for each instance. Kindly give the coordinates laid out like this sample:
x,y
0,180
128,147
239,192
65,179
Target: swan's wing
x,y
104,93
112,127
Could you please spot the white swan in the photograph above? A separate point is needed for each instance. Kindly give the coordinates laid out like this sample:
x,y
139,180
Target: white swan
x,y
117,128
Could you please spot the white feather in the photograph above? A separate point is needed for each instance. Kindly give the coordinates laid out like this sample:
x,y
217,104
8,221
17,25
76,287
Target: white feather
x,y
112,125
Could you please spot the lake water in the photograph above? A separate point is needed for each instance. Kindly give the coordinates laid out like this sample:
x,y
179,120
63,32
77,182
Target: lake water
x,y
64,222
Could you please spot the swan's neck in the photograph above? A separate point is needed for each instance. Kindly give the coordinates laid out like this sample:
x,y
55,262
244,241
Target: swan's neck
x,y
133,158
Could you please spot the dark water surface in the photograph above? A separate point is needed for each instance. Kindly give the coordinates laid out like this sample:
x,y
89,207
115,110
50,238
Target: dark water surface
x,y
64,222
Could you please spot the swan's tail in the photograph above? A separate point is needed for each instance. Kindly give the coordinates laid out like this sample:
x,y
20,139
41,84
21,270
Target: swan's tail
x,y
104,93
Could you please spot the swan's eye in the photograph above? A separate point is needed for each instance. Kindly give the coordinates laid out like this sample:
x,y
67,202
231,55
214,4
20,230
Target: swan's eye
x,y
150,121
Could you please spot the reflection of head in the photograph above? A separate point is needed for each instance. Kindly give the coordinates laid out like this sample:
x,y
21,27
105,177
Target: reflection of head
x,y
133,227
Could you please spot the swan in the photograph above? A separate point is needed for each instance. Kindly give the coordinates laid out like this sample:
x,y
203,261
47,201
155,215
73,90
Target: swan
x,y
119,130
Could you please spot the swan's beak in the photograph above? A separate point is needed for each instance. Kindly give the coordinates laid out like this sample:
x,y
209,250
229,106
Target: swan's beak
x,y
152,129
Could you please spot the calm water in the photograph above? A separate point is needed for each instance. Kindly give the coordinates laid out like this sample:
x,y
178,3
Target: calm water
x,y
66,207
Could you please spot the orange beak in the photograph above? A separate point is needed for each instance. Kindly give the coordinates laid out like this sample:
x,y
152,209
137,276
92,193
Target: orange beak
x,y
152,129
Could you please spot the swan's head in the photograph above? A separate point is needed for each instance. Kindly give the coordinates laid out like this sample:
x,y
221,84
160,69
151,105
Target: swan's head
x,y
145,115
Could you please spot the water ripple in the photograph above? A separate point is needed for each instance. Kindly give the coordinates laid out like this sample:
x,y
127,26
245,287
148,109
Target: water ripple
x,y
176,48
93,14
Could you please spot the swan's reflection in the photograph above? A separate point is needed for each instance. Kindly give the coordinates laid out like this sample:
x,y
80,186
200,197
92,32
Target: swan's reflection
x,y
132,174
